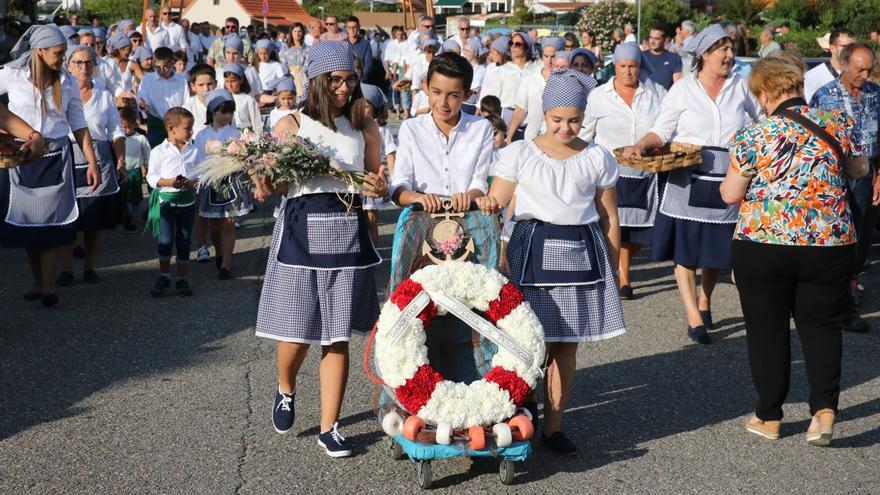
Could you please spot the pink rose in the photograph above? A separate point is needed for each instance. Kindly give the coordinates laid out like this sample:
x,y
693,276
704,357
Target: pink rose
x,y
234,148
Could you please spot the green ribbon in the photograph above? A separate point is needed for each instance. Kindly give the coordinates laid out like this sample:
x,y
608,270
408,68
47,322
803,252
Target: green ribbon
x,y
158,197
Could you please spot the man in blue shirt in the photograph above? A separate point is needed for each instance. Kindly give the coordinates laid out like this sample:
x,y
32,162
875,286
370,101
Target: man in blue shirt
x,y
860,99
359,45
666,65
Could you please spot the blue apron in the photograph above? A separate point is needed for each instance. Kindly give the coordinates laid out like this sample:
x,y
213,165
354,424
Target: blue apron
x,y
42,190
321,232
693,193
556,255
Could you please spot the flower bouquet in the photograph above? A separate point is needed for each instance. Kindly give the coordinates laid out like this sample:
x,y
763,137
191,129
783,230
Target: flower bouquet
x,y
277,160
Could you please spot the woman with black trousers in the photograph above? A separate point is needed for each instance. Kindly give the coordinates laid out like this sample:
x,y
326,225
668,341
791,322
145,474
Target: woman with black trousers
x,y
794,243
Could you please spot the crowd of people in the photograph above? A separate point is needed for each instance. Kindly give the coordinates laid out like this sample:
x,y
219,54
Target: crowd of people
x,y
785,194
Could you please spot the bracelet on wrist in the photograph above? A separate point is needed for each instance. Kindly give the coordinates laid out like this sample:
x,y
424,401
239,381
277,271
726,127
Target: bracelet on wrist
x,y
32,134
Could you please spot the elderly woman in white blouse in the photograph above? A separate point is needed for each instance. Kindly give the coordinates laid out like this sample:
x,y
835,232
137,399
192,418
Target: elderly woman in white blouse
x,y
37,201
618,113
694,226
99,208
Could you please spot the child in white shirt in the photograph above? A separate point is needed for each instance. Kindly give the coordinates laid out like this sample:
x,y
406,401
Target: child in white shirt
x,y
247,113
159,91
285,91
172,175
137,155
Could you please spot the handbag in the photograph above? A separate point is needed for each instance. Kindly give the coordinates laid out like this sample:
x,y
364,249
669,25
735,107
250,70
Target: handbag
x,y
818,131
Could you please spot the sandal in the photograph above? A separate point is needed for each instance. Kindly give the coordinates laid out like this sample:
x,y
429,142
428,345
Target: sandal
x,y
764,429
823,421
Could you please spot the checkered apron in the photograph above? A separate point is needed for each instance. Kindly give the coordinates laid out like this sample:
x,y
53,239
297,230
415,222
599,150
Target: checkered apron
x,y
314,305
569,313
106,164
636,197
41,192
693,193
230,200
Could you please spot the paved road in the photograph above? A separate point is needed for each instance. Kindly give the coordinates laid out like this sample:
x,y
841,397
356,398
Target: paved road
x,y
115,392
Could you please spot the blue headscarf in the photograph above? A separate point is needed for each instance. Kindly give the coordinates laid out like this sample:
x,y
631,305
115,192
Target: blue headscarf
x,y
374,96
118,41
558,43
567,88
233,42
37,36
631,51
702,41
501,44
214,99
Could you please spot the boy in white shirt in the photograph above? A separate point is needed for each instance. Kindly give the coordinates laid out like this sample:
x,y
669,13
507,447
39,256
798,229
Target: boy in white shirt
x,y
446,152
137,155
172,175
201,82
160,91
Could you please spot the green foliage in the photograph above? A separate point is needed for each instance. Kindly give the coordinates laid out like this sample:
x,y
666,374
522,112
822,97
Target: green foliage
x,y
802,43
111,11
797,12
520,15
862,16
603,17
340,8
666,13
741,10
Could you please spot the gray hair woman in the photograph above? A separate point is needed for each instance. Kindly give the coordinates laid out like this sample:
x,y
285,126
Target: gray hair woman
x,y
794,243
98,208
618,113
37,203
694,226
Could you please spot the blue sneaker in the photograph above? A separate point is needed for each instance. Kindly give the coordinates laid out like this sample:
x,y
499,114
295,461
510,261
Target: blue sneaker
x,y
282,413
334,443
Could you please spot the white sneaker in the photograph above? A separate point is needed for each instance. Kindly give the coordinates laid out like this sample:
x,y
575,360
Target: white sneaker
x,y
202,255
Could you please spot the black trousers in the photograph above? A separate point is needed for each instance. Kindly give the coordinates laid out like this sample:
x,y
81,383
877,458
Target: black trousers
x,y
776,282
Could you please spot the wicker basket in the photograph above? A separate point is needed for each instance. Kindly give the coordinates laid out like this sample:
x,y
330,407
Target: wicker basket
x,y
10,151
669,157
125,102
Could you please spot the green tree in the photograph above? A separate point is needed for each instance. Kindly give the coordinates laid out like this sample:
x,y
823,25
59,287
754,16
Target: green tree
x,y
603,17
746,11
111,11
666,13
340,8
862,16
803,13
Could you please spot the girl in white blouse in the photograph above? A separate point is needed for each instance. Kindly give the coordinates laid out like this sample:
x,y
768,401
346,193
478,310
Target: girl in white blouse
x,y
619,113
694,227
247,112
98,208
565,240
37,202
267,64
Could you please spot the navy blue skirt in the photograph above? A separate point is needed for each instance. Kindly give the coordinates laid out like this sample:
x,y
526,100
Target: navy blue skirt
x,y
636,235
99,213
15,237
692,244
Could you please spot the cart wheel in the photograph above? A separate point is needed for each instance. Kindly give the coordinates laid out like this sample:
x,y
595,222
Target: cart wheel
x,y
395,450
506,472
423,470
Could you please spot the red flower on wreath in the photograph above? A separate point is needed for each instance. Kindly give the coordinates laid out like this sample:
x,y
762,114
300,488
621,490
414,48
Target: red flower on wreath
x,y
416,392
509,381
405,293
508,299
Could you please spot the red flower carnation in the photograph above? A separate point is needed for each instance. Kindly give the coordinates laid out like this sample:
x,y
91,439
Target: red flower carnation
x,y
509,381
508,299
416,392
405,293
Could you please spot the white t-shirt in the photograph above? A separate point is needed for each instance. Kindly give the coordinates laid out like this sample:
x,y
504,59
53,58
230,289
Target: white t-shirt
x,y
137,151
561,192
529,97
817,77
277,114
611,123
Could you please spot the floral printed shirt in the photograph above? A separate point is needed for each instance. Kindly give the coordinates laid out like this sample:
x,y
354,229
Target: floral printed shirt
x,y
797,195
865,112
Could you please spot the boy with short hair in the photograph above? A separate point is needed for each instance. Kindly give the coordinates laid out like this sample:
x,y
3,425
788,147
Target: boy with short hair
x,y
172,175
201,82
445,152
137,155
160,91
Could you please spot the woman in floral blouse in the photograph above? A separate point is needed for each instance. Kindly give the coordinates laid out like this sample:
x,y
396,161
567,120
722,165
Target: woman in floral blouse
x,y
793,247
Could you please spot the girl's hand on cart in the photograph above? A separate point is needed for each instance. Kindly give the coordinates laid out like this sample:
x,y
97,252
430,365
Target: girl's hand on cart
x,y
488,205
430,203
461,202
375,185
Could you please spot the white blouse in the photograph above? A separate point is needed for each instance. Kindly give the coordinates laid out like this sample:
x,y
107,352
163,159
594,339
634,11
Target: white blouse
x,y
167,162
102,116
24,101
250,74
163,94
270,71
688,115
504,82
530,98
347,142
561,192
611,123
247,114
199,111
428,162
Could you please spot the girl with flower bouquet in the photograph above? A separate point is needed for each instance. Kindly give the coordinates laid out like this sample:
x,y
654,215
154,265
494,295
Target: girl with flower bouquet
x,y
221,206
565,239
319,285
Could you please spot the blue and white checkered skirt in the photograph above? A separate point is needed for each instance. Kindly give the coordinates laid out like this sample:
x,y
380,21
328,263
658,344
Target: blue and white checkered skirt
x,y
312,306
570,313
